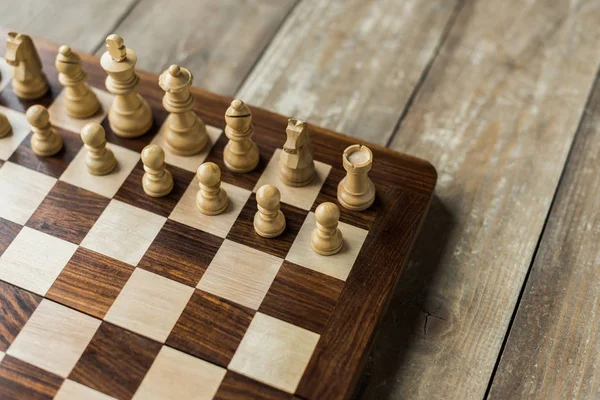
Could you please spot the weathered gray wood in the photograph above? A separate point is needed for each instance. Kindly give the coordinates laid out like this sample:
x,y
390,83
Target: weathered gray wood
x,y
496,116
553,350
349,65
80,23
218,41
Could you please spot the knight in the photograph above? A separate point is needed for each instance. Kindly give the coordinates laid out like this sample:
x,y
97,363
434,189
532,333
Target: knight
x,y
29,81
296,164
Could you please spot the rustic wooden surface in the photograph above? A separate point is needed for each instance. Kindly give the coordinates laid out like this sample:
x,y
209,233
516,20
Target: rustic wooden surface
x,y
492,93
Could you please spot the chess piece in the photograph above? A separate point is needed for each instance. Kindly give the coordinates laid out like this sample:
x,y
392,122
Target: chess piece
x,y
29,81
5,127
326,239
99,160
356,191
241,153
211,198
79,100
185,133
269,221
296,165
129,115
45,140
157,181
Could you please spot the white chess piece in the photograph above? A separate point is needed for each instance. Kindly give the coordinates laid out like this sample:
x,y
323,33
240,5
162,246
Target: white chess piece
x,y
269,221
45,141
326,239
241,153
99,159
211,198
157,180
356,191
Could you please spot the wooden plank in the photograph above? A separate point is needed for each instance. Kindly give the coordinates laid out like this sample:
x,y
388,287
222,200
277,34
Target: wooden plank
x,y
496,116
554,341
218,41
81,24
351,65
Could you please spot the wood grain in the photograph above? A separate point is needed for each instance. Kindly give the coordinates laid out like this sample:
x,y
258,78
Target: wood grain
x,y
8,231
17,307
554,339
218,42
350,66
80,24
236,386
499,140
19,380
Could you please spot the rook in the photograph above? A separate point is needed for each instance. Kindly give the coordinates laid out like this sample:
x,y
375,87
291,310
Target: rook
x,y
356,191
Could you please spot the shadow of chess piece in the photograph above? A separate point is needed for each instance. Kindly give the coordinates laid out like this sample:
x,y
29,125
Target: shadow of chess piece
x,y
29,81
45,141
241,153
356,191
296,165
99,159
326,239
157,181
269,221
79,100
211,198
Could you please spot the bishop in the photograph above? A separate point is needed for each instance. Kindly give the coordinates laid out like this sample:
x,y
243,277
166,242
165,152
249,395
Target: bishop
x,y
29,81
241,153
296,165
45,141
79,100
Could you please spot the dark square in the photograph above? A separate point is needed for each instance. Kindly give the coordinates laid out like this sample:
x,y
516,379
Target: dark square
x,y
181,253
20,380
9,99
115,361
210,328
53,165
138,143
90,282
132,191
8,231
16,306
302,297
68,212
247,180
243,230
362,219
235,386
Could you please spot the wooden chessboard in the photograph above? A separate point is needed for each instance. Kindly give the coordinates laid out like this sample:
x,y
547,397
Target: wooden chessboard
x,y
106,290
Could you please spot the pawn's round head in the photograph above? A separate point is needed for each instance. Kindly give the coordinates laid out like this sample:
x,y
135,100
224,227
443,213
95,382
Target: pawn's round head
x,y
93,134
209,174
268,196
327,214
38,116
153,156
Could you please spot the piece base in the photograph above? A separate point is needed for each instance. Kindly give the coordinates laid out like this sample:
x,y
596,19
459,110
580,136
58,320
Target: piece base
x,y
105,171
270,235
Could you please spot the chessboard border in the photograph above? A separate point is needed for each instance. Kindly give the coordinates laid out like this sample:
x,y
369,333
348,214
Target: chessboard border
x,y
339,357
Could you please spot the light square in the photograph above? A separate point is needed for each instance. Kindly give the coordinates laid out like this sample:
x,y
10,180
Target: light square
x,y
190,163
5,73
187,212
337,265
301,197
22,191
54,338
123,232
60,118
149,304
177,375
274,352
71,390
20,130
34,260
240,273
106,185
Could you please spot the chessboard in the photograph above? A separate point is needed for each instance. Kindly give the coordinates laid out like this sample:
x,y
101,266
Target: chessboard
x,y
106,292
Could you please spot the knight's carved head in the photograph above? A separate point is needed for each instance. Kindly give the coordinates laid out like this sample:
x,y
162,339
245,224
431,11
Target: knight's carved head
x,y
297,135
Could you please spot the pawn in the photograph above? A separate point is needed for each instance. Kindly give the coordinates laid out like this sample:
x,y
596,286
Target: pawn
x,y
241,153
211,198
79,100
5,127
157,181
326,239
269,221
45,140
99,160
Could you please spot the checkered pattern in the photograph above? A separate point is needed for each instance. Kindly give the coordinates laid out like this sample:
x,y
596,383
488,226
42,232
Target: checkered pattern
x,y
114,294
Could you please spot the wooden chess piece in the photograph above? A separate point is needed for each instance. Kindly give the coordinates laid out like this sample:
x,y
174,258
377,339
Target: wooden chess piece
x,y
326,239
269,221
185,132
241,153
356,191
157,181
5,127
79,100
45,140
99,159
296,165
29,81
211,198
129,115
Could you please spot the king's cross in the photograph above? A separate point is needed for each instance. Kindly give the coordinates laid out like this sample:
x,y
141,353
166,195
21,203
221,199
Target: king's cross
x,y
115,45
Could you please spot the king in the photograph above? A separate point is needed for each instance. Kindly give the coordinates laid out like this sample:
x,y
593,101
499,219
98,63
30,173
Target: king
x,y
130,115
